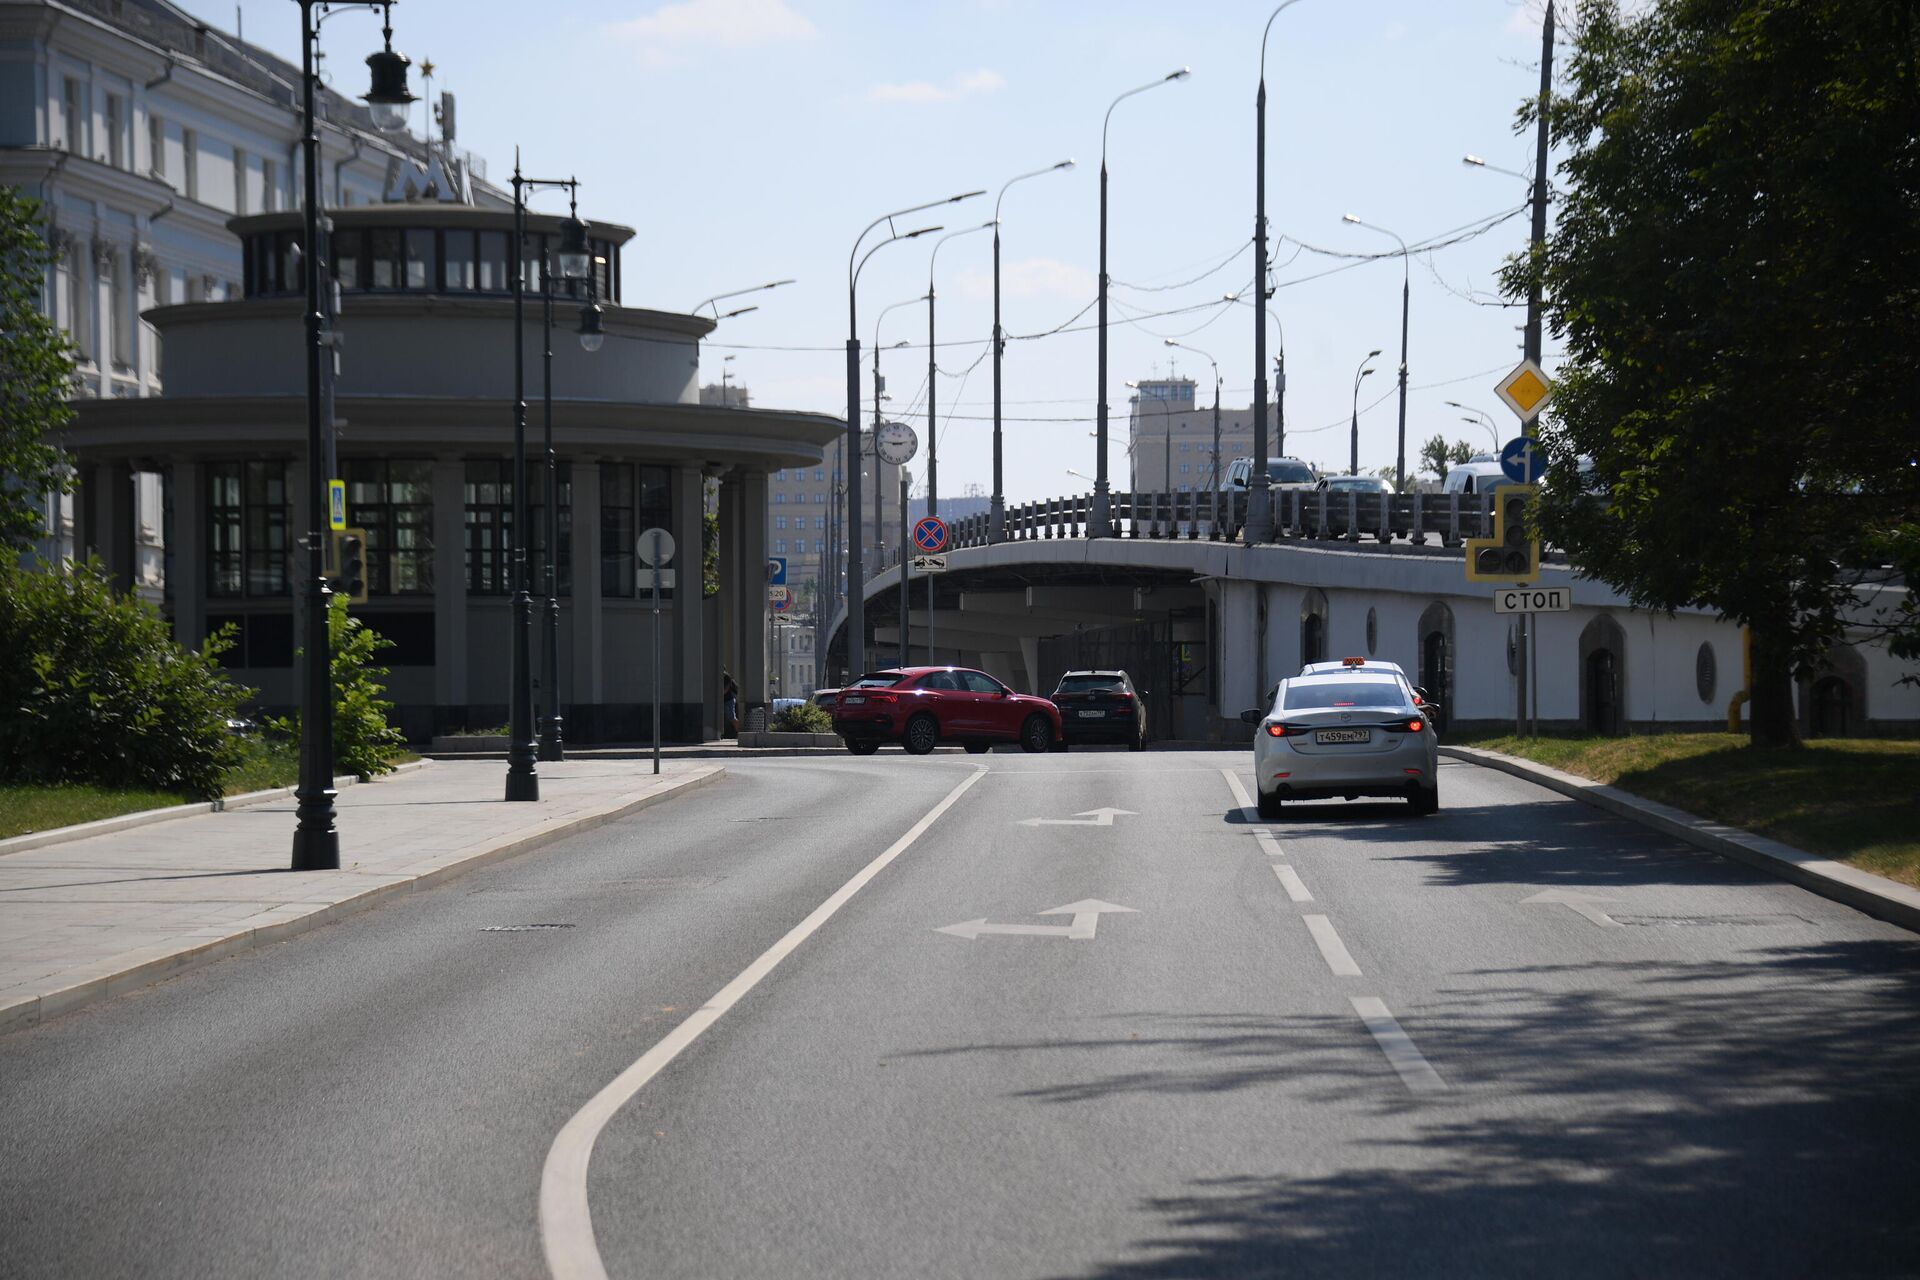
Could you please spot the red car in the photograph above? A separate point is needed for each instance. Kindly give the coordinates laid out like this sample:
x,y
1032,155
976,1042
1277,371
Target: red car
x,y
919,707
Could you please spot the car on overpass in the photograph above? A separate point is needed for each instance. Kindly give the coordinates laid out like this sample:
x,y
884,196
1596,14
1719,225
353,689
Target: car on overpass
x,y
1346,730
1282,473
1354,484
921,707
1101,706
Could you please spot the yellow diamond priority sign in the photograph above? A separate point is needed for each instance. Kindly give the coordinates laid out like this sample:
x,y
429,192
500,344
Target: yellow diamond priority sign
x,y
1525,390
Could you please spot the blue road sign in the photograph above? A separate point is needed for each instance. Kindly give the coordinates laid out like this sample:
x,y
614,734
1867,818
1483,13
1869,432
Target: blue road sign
x,y
930,535
776,571
1515,461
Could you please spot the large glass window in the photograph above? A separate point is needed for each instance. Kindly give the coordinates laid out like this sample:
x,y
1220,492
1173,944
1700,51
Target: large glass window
x,y
632,500
393,501
489,520
347,256
386,257
493,262
460,264
537,535
420,259
247,528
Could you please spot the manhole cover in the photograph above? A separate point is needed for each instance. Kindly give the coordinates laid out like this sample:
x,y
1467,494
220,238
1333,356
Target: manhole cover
x,y
1674,922
521,928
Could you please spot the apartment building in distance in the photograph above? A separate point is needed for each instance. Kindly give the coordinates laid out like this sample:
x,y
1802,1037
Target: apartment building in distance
x,y
1171,426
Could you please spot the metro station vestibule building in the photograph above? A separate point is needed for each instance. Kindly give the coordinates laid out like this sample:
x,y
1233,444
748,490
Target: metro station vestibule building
x,y
424,418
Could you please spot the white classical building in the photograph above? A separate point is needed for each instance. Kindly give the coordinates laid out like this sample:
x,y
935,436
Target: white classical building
x,y
143,130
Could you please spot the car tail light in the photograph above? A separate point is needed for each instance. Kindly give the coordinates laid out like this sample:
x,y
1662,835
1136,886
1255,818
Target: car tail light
x,y
883,697
1278,730
1123,695
1415,726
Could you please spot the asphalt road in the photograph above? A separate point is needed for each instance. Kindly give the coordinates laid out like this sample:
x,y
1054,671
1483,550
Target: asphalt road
x,y
1348,1047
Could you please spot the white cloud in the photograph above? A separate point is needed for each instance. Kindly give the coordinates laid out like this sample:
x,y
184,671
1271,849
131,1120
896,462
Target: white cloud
x,y
1031,278
727,23
1396,30
985,80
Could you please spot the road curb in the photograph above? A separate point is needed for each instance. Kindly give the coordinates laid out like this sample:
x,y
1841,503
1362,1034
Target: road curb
x,y
127,821
1877,896
163,962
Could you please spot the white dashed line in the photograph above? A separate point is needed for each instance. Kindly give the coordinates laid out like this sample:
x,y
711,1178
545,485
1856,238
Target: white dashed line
x,y
1332,949
1296,889
1269,845
1415,1070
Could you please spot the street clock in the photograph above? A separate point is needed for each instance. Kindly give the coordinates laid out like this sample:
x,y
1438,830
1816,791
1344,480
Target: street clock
x,y
896,442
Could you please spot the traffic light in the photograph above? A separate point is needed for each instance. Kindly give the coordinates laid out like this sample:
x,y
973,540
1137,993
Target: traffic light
x,y
347,572
1509,555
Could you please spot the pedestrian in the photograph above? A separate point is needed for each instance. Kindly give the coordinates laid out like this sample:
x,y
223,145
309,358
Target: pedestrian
x,y
730,704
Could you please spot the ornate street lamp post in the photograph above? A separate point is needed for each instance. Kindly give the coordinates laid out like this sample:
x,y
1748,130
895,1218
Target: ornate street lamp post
x,y
316,843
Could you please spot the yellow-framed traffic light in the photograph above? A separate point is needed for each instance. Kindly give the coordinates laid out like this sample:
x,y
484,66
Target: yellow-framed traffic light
x,y
1510,555
347,564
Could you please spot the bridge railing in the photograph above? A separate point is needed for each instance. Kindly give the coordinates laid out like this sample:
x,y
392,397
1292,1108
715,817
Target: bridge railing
x,y
1414,518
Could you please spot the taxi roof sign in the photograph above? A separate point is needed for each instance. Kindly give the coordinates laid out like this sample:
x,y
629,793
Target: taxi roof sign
x,y
1526,390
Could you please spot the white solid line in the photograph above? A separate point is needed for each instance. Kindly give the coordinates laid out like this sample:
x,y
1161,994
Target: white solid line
x,y
1332,949
1296,889
1240,796
1414,1069
566,1220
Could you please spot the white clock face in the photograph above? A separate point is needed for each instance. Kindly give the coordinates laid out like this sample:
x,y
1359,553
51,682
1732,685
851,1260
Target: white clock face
x,y
896,443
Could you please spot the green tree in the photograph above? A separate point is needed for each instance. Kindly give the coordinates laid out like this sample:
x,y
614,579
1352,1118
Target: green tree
x,y
36,374
364,741
1438,457
1735,277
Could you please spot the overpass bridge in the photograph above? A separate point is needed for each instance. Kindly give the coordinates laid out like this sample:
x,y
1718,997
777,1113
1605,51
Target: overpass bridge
x,y
1206,624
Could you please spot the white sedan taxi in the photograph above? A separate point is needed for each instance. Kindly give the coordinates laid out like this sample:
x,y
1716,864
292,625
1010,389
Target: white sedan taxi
x,y
1348,730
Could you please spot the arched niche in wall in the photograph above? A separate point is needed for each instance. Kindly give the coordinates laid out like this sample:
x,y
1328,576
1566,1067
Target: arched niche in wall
x,y
1435,647
1833,700
1313,626
1603,676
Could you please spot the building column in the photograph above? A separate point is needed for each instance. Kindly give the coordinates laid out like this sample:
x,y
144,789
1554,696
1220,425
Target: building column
x,y
117,529
189,564
691,658
450,582
584,680
731,543
751,611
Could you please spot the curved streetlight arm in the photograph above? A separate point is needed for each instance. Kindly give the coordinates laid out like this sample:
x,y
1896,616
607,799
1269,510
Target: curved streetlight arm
x,y
1022,177
1263,36
904,302
1171,76
1370,226
1197,351
853,272
908,235
737,293
934,257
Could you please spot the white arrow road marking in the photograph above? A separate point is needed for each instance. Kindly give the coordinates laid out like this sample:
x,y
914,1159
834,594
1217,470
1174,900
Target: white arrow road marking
x,y
1086,917
1332,950
1296,888
1414,1069
1575,900
1091,818
566,1220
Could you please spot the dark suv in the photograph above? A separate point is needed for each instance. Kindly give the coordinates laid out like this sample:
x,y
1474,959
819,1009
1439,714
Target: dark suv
x,y
1101,706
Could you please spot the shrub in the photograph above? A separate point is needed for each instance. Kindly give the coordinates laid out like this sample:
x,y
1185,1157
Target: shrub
x,y
364,743
93,688
805,718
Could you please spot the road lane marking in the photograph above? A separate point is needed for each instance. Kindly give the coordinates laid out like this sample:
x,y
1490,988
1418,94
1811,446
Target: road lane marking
x,y
1086,920
1087,818
1296,889
1581,903
1332,950
566,1220
1269,845
1240,796
1417,1073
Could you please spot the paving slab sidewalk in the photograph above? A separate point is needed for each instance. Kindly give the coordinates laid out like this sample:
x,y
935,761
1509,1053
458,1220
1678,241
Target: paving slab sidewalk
x,y
91,918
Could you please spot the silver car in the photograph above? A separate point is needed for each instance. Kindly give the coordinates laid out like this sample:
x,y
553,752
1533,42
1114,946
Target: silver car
x,y
1349,731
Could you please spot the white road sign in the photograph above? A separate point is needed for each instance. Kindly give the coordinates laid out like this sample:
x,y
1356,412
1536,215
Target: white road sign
x,y
929,564
1532,600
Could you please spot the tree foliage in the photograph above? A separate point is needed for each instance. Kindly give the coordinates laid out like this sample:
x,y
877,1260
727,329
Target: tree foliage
x,y
94,688
1437,457
365,743
36,374
1735,277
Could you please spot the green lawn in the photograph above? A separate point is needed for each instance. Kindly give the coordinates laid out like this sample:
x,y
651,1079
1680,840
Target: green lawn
x,y
1853,799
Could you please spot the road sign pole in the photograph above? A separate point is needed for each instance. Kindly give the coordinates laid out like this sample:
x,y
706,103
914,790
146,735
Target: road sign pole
x,y
655,698
906,560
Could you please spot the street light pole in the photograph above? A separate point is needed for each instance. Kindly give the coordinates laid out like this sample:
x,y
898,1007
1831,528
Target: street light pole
x,y
997,504
879,490
1484,419
1214,480
933,372
1100,523
316,842
1406,282
1260,495
1353,466
856,610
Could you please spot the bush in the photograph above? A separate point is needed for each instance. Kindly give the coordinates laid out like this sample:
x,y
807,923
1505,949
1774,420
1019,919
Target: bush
x,y
805,718
94,689
364,743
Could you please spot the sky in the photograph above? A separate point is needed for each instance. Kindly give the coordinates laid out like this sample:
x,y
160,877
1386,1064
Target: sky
x,y
751,140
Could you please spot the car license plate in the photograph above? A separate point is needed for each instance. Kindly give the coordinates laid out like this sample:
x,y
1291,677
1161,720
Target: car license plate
x,y
853,700
1343,735
1090,715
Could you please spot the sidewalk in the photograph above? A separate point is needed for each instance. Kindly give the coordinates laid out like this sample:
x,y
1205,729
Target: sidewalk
x,y
95,917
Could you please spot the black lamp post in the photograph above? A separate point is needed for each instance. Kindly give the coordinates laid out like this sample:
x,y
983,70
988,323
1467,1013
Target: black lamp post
x,y
1406,280
523,782
573,252
933,372
856,601
997,505
1260,495
316,843
1353,464
1100,522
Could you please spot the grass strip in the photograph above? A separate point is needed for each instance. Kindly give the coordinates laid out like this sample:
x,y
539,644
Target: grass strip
x,y
1856,800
